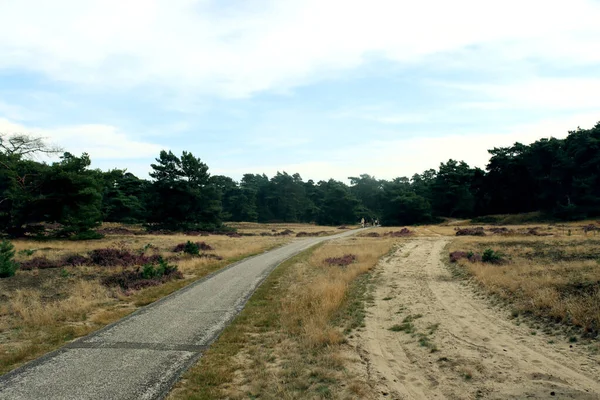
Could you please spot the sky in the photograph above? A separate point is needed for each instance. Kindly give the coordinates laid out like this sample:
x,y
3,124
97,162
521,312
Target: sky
x,y
324,88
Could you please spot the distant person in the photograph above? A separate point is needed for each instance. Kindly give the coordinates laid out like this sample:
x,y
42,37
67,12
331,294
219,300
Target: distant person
x,y
362,222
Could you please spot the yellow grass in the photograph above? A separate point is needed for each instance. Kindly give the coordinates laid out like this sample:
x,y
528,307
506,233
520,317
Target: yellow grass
x,y
40,310
256,228
317,289
27,306
555,277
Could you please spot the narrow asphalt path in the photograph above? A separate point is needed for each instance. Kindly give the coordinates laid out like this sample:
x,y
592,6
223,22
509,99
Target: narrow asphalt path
x,y
144,354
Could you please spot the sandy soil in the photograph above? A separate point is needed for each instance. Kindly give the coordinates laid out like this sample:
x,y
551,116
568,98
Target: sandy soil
x,y
461,347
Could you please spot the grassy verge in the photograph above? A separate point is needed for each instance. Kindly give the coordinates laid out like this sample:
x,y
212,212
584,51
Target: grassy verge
x,y
556,278
42,309
288,341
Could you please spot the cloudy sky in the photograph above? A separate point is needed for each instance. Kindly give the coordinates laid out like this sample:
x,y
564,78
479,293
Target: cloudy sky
x,y
326,88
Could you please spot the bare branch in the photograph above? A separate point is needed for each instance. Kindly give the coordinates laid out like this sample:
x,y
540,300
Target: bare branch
x,y
27,146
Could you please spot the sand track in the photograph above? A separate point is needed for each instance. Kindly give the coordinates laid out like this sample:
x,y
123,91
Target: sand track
x,y
480,352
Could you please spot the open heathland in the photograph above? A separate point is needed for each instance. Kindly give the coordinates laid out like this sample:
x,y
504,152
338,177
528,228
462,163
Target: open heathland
x,y
66,289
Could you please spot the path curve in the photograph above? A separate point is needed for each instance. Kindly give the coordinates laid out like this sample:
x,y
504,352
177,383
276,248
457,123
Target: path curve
x,y
144,354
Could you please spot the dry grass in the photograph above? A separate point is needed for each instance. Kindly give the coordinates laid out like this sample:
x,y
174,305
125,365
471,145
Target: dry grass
x,y
288,341
28,307
42,309
317,290
567,229
555,277
256,228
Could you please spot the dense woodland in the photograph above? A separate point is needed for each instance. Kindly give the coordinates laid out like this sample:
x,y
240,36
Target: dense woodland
x,y
559,177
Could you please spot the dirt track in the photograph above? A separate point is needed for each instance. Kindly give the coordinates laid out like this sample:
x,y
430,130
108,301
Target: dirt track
x,y
480,352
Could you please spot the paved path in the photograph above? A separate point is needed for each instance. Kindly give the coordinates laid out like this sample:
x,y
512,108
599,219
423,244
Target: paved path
x,y
144,354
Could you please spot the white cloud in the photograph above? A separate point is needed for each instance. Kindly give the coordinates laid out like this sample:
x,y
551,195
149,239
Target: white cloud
x,y
382,114
196,46
405,157
548,94
101,142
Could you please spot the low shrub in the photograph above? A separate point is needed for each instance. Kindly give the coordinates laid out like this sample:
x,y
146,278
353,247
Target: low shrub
x,y
371,234
87,235
101,257
500,230
40,263
458,255
192,248
8,266
491,256
118,231
401,233
343,261
117,257
151,270
479,231
311,234
152,274
75,260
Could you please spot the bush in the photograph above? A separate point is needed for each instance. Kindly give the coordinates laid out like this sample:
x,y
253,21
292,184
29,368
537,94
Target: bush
x,y
192,248
458,255
75,260
343,261
87,235
479,231
163,268
370,234
8,266
491,256
40,263
112,257
401,233
150,275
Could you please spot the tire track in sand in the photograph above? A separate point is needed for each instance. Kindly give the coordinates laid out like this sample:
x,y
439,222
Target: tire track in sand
x,y
481,354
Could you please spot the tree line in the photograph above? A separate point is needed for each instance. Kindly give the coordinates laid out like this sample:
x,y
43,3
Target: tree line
x,y
559,177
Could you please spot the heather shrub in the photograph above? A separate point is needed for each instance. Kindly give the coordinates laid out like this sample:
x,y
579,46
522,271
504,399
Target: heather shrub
x,y
475,257
75,260
40,263
401,233
343,261
457,255
479,231
192,248
113,257
152,274
8,266
371,234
